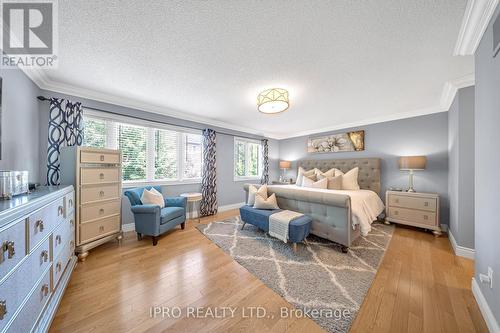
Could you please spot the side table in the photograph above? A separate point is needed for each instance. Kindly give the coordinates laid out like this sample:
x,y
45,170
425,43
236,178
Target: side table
x,y
192,199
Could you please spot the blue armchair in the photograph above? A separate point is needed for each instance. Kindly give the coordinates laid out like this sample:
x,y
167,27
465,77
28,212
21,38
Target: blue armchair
x,y
152,221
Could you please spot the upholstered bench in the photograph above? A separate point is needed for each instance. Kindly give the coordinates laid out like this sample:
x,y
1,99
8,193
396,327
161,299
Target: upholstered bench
x,y
298,228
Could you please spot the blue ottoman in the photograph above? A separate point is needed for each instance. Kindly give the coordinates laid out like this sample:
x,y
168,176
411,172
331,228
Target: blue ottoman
x,y
298,228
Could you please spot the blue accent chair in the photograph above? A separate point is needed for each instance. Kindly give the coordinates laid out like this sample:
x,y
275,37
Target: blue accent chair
x,y
150,220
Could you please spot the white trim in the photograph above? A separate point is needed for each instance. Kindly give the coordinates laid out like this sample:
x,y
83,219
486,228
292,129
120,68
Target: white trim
x,y
460,251
40,79
477,16
488,316
451,87
444,228
131,226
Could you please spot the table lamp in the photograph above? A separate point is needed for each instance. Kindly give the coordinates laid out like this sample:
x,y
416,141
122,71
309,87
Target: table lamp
x,y
411,163
283,166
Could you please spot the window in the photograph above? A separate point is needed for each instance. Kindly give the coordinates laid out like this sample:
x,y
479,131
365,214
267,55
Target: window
x,y
150,153
247,159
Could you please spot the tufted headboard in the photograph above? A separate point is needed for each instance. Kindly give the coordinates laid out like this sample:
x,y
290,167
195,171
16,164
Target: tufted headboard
x,y
369,169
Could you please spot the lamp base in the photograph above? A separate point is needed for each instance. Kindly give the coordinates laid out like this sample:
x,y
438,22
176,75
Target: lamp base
x,y
411,190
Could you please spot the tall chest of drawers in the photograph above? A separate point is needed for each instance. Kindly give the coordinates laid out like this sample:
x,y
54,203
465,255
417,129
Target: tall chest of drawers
x,y
413,208
36,257
96,175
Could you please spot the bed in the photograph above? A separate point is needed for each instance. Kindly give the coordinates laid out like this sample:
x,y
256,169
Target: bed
x,y
339,216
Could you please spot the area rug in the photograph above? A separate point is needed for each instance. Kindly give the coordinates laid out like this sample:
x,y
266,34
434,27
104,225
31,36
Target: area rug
x,y
322,282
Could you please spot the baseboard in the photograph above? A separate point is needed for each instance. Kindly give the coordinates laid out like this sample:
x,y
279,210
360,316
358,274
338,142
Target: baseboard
x,y
460,251
131,226
488,316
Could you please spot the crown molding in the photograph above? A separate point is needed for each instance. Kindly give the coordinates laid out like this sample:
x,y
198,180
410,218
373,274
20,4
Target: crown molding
x,y
477,16
448,94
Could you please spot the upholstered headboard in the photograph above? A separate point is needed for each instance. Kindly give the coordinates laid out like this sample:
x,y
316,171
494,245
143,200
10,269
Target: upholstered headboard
x,y
369,169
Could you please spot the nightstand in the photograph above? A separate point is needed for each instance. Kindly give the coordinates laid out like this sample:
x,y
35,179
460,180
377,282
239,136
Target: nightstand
x,y
413,208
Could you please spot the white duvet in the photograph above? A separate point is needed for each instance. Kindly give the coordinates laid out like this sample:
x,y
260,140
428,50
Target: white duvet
x,y
365,205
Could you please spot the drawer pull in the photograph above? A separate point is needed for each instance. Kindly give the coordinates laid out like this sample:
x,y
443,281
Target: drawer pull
x,y
102,158
39,225
71,222
426,217
426,204
101,211
8,246
396,201
101,194
58,239
396,212
101,175
71,243
71,202
59,266
3,309
60,210
101,228
44,256
45,290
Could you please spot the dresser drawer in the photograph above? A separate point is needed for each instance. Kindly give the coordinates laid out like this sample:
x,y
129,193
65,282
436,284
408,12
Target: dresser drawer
x,y
17,286
12,246
416,216
97,229
99,210
43,221
422,203
101,158
100,192
31,310
61,236
69,204
60,263
99,175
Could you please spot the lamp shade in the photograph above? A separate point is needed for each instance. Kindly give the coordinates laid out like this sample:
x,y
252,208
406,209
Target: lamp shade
x,y
273,100
285,164
412,162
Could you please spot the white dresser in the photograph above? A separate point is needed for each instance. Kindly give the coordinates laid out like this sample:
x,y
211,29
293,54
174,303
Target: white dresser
x,y
37,238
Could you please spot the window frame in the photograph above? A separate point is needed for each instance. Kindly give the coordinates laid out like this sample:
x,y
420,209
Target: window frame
x,y
246,141
112,143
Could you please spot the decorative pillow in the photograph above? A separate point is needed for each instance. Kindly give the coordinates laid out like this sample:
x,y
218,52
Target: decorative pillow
x,y
269,203
334,183
350,179
151,198
322,183
329,173
253,191
301,173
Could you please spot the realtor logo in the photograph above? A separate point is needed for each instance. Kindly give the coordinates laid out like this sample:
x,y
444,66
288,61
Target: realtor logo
x,y
28,37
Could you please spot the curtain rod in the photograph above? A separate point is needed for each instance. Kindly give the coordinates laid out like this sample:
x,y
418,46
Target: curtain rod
x,y
43,98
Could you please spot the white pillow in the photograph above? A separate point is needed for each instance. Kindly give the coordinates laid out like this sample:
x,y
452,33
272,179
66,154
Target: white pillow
x,y
334,183
329,173
252,191
301,173
322,183
350,179
269,203
152,198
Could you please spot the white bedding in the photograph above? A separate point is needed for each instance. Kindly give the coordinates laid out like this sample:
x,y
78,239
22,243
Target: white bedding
x,y
365,205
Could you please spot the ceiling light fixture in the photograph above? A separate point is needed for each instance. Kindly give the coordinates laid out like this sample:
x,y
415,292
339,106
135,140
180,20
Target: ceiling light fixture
x,y
273,100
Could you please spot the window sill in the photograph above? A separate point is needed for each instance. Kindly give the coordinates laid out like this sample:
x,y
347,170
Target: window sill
x,y
244,179
132,184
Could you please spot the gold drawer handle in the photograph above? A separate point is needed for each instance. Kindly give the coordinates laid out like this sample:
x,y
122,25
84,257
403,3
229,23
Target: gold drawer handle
x,y
71,222
101,175
396,212
45,290
3,309
102,158
426,217
101,228
101,211
426,204
59,266
58,239
71,202
44,256
60,210
101,193
39,225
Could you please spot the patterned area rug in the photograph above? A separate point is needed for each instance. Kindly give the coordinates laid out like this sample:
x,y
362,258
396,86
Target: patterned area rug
x,y
325,284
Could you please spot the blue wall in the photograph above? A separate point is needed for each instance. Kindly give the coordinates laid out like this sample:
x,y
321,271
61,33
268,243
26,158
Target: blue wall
x,y
424,135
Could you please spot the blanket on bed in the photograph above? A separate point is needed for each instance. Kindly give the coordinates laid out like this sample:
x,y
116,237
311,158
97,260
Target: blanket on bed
x,y
278,224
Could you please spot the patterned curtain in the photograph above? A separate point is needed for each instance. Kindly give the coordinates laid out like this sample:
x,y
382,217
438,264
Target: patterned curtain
x,y
65,129
265,155
208,204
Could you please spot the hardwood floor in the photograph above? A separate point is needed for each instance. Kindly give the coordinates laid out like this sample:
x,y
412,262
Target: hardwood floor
x,y
420,286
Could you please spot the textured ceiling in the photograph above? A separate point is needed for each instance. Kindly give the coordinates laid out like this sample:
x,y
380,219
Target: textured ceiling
x,y
344,62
